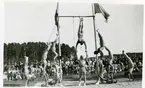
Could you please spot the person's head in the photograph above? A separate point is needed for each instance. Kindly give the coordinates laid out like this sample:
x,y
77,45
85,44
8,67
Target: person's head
x,y
122,51
26,58
48,43
81,57
81,42
97,51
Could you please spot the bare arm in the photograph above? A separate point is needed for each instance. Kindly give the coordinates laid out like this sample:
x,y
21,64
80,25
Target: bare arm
x,y
48,46
57,36
109,52
110,55
77,45
82,27
85,46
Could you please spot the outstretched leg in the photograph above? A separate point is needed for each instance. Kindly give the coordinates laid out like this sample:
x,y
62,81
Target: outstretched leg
x,y
102,44
45,63
54,48
80,30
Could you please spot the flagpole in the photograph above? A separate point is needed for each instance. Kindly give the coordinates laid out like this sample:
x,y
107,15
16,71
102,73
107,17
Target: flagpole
x,y
97,69
94,28
59,45
58,32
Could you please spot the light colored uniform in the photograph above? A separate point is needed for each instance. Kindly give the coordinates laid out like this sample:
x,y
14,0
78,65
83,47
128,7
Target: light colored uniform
x,y
81,51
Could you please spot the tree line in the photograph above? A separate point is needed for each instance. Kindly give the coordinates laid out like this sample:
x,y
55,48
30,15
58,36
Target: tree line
x,y
14,52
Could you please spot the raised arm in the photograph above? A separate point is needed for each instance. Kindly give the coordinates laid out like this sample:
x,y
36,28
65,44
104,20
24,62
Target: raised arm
x,y
85,46
109,52
77,45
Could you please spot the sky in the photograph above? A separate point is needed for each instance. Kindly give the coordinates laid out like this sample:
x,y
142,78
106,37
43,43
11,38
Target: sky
x,y
34,22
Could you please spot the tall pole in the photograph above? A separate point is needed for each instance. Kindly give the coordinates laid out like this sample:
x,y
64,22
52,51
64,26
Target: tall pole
x,y
94,28
59,45
97,66
58,28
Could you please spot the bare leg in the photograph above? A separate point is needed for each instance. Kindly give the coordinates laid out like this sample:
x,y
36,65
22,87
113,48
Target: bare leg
x,y
61,79
84,79
27,81
111,72
101,73
132,76
56,55
79,30
129,76
46,79
80,27
80,78
108,73
130,73
97,72
98,80
98,75
101,40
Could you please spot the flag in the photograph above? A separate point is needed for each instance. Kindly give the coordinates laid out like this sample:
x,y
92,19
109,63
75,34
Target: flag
x,y
56,17
99,9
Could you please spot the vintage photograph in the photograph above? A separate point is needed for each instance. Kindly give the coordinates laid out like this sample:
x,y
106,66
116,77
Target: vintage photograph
x,y
72,45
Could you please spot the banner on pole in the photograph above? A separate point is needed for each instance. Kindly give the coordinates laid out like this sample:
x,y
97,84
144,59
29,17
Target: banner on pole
x,y
99,9
56,17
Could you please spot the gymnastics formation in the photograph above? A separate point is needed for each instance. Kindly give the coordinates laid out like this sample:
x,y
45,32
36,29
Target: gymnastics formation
x,y
82,58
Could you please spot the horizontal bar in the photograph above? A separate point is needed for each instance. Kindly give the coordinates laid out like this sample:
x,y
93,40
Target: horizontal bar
x,y
77,16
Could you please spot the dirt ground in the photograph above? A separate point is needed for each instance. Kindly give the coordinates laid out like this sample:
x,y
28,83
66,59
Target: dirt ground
x,y
72,82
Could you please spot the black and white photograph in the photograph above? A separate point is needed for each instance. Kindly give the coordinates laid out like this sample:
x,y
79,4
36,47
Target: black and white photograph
x,y
73,45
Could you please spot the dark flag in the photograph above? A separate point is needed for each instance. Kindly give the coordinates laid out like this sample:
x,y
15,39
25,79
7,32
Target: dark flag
x,y
56,17
99,9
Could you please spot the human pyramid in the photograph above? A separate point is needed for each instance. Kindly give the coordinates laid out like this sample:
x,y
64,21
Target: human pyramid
x,y
82,58
55,65
100,67
46,71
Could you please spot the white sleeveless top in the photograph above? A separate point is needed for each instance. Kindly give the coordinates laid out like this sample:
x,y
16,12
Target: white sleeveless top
x,y
81,50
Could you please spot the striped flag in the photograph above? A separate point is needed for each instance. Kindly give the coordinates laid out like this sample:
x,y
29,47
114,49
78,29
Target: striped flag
x,y
99,9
